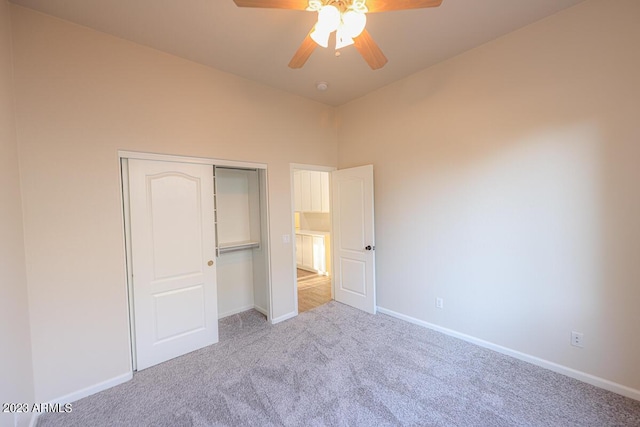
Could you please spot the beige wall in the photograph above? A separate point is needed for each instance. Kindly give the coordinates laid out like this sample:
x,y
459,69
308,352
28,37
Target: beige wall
x,y
82,95
15,350
515,197
512,189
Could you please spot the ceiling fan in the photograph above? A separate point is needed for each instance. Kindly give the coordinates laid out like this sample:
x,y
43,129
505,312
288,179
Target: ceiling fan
x,y
347,18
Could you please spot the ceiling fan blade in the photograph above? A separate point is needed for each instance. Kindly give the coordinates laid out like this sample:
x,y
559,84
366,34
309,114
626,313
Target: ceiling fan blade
x,y
388,5
370,50
303,53
277,4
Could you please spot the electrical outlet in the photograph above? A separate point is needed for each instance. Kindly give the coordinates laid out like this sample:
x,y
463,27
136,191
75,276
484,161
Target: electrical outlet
x,y
577,339
439,302
286,239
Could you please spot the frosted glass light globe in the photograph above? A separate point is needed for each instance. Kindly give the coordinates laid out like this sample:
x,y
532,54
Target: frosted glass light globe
x,y
354,23
328,19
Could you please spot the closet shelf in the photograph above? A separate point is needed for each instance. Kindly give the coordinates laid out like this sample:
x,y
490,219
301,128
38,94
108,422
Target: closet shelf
x,y
237,246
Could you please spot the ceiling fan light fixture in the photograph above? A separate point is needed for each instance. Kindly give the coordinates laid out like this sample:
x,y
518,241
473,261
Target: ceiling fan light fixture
x,y
320,37
342,38
353,23
335,14
328,19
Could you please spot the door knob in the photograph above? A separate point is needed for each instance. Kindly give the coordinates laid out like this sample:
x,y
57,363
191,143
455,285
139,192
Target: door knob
x,y
368,248
210,263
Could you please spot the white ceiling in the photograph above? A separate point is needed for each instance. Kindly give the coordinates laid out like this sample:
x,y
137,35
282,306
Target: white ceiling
x,y
258,43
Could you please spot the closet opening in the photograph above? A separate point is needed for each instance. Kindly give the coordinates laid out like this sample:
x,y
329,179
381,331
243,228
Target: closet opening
x,y
197,251
240,227
312,224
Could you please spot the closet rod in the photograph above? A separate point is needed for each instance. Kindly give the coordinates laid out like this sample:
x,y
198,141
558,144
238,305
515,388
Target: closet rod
x,y
236,168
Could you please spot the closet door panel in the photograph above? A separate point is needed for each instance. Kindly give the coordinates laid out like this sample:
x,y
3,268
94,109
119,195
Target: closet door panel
x,y
172,248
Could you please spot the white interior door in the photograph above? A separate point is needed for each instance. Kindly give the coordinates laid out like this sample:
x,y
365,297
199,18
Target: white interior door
x,y
353,237
172,248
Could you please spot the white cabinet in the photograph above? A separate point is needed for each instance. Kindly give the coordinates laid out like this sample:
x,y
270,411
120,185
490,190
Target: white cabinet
x,y
305,190
297,190
311,191
319,259
299,259
324,191
307,251
316,191
312,252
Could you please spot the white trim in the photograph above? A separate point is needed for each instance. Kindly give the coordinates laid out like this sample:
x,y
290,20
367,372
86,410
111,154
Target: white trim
x,y
235,311
96,388
24,419
312,167
265,222
243,309
561,369
34,419
294,260
126,238
87,391
262,310
283,318
186,159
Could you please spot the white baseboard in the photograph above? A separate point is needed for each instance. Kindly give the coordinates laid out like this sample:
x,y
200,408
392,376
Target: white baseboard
x,y
261,310
242,309
87,391
283,318
24,419
33,421
235,311
561,369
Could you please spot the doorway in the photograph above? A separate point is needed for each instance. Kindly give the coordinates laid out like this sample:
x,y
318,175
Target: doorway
x,y
312,224
351,236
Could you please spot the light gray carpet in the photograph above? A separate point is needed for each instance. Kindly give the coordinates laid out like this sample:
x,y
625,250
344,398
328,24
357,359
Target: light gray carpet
x,y
337,366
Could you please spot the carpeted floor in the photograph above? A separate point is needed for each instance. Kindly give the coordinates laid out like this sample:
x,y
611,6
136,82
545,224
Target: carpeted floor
x,y
337,366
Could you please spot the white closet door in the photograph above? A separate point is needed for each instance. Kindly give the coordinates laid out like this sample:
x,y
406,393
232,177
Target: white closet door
x,y
353,237
173,246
